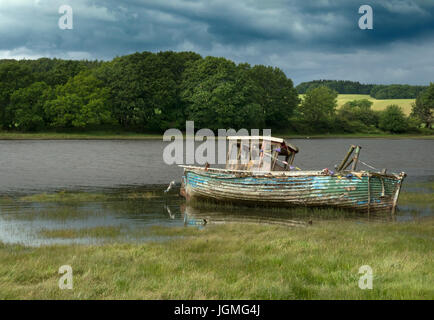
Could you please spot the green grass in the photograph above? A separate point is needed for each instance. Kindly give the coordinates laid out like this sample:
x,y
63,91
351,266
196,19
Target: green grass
x,y
416,198
91,135
95,232
64,196
234,261
427,186
290,135
111,136
54,213
423,197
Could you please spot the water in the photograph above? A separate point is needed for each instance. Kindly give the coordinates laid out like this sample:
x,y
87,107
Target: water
x,y
131,209
41,166
130,176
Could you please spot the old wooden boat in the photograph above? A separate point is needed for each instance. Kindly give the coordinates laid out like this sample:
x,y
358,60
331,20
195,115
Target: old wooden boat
x,y
260,171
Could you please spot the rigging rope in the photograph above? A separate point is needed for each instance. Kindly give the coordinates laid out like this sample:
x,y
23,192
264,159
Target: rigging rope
x,y
367,165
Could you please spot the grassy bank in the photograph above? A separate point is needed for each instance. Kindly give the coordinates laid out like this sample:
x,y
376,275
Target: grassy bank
x,y
95,232
91,135
353,136
144,136
266,262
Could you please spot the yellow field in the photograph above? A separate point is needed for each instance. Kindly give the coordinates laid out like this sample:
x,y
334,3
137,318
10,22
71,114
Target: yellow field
x,y
405,104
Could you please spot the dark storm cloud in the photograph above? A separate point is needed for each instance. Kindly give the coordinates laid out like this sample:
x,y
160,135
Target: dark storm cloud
x,y
308,39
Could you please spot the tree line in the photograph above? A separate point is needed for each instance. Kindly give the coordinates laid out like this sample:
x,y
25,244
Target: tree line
x,y
143,92
377,91
151,92
318,113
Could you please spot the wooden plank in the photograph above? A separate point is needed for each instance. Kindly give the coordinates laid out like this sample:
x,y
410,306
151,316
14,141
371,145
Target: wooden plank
x,y
350,151
273,139
395,198
348,164
284,173
369,195
356,157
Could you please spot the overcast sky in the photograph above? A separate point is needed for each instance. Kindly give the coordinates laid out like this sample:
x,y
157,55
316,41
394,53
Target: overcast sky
x,y
308,39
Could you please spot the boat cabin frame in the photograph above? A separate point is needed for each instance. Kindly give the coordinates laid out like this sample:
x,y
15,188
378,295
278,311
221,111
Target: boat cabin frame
x,y
259,153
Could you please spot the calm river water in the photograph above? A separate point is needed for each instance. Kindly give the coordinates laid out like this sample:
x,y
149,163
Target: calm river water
x,y
131,175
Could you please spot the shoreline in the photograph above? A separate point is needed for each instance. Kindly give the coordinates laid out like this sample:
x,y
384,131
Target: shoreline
x,y
148,136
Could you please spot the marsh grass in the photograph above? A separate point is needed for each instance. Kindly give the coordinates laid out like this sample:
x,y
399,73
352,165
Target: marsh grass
x,y
170,232
90,135
77,197
234,261
143,195
424,186
65,196
56,214
231,260
380,105
6,200
95,232
424,197
417,196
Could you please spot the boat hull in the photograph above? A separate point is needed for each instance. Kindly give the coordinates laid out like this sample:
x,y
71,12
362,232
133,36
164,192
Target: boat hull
x,y
361,191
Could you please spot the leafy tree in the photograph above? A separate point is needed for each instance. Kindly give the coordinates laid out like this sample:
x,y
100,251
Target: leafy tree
x,y
318,105
423,108
156,91
396,91
81,102
359,110
26,107
361,103
393,91
277,95
143,91
177,62
393,120
13,76
340,86
173,115
219,94
56,71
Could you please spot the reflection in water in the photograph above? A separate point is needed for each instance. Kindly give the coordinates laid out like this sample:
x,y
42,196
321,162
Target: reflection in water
x,y
171,215
131,214
294,217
